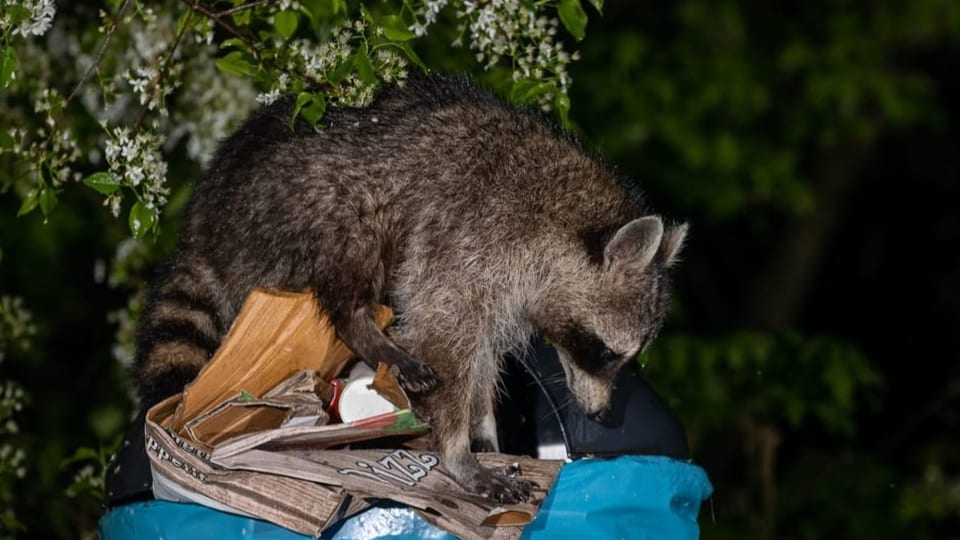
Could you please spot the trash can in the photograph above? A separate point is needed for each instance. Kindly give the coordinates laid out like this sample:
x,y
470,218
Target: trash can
x,y
630,477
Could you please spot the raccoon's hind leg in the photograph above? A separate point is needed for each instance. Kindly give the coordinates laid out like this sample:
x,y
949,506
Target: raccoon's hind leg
x,y
361,333
483,433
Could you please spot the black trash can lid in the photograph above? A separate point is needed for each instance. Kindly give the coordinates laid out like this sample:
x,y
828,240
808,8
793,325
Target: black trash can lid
x,y
540,412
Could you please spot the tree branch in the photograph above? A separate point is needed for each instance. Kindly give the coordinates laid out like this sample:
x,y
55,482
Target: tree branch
x,y
248,5
100,52
216,17
163,69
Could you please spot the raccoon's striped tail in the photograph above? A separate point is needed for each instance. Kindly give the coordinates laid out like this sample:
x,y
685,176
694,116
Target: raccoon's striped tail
x,y
180,329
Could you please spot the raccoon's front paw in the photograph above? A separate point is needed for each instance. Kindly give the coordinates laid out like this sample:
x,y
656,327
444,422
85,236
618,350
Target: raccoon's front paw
x,y
501,488
415,377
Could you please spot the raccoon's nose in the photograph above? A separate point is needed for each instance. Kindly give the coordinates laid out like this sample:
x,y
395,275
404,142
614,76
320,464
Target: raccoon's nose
x,y
601,415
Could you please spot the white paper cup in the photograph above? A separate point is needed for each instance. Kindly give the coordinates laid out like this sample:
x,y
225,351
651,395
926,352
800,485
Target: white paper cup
x,y
358,402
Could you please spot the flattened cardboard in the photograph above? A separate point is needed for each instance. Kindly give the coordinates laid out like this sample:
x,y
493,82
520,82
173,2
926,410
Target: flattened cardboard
x,y
417,479
299,505
295,397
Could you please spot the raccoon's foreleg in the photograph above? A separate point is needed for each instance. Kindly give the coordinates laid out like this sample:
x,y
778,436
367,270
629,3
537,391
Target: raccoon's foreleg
x,y
467,378
350,278
361,333
451,422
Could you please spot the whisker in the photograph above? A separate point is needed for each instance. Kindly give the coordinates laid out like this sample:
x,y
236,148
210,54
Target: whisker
x,y
554,378
564,403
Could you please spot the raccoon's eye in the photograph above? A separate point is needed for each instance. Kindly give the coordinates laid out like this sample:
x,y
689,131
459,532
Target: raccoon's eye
x,y
608,357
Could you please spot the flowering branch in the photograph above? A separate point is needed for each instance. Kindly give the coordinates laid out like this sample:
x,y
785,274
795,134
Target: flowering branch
x,y
272,50
217,17
100,52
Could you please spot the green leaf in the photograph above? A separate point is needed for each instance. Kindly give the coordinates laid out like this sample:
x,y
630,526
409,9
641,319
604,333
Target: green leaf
x,y
104,182
562,103
526,90
573,17
242,17
412,56
367,16
16,14
142,219
10,522
8,66
319,10
286,23
361,61
396,29
81,454
340,72
314,111
48,200
29,202
246,396
6,139
236,63
310,106
303,98
182,20
233,42
520,87
598,4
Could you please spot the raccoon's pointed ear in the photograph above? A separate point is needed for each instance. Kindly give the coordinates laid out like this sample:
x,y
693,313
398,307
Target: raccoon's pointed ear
x,y
634,245
673,239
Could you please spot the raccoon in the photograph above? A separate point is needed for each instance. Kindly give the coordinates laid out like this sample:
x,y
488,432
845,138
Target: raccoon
x,y
480,224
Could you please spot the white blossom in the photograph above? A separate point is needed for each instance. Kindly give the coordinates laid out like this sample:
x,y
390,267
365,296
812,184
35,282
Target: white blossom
x,y
266,98
218,104
138,160
39,21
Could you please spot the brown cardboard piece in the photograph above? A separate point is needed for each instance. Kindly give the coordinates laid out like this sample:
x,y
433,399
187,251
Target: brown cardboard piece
x,y
275,334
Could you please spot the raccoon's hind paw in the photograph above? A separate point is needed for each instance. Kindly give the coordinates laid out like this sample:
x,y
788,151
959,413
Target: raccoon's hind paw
x,y
415,377
500,488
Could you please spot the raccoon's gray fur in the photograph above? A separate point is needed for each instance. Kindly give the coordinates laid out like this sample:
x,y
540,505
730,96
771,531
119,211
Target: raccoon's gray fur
x,y
479,224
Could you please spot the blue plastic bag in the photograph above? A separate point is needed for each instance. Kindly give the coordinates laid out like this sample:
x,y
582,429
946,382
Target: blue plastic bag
x,y
630,497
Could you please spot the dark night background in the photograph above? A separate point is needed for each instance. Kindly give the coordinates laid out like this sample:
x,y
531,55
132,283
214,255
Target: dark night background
x,y
812,352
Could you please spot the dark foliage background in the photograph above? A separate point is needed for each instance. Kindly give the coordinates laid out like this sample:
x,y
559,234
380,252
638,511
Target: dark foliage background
x,y
812,350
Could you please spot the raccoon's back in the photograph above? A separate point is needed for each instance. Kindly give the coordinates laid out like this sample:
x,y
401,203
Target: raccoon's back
x,y
434,147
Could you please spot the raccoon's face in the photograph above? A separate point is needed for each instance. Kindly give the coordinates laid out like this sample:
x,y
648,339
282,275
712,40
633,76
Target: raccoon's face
x,y
614,312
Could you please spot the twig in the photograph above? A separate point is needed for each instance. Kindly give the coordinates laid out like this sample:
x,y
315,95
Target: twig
x,y
99,56
217,18
248,5
164,68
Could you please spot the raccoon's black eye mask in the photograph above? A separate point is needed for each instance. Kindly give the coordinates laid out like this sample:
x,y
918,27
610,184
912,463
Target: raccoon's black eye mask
x,y
589,352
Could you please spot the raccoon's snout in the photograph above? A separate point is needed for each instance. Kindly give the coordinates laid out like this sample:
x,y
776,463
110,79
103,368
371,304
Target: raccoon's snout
x,y
601,416
591,392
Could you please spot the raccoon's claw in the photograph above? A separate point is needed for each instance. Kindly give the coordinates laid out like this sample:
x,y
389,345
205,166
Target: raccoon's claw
x,y
415,377
503,489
